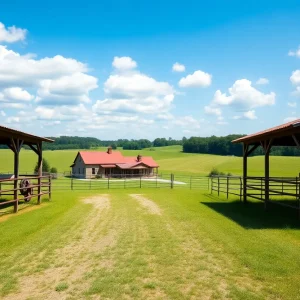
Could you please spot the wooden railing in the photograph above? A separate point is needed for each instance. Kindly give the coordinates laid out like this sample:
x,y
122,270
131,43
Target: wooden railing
x,y
38,185
283,191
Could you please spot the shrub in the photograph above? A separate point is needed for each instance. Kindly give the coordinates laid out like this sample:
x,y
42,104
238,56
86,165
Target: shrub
x,y
215,172
53,170
61,286
45,167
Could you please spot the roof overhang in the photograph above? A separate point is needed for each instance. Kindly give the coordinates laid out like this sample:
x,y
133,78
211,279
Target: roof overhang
x,y
281,135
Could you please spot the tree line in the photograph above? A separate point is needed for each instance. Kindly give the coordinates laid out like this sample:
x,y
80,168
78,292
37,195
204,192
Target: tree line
x,y
224,146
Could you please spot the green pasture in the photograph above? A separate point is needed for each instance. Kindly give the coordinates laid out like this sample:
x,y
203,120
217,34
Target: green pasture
x,y
170,159
193,246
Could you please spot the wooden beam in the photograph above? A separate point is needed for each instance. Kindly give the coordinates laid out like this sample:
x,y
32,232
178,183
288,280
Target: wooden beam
x,y
245,156
16,148
40,169
297,142
268,146
254,147
33,149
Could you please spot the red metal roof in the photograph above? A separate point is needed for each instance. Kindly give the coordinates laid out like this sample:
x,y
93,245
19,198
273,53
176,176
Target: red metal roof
x,y
114,158
269,131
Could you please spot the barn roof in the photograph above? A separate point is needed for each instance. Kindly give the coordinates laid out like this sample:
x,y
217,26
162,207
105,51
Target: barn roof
x,y
280,134
7,133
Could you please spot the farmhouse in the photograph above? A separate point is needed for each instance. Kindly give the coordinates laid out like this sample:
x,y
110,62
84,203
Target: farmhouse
x,y
91,164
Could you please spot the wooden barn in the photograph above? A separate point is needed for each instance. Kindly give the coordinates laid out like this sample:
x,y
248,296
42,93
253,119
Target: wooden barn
x,y
91,164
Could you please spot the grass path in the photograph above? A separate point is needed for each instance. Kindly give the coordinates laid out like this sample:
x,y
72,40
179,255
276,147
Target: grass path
x,y
161,244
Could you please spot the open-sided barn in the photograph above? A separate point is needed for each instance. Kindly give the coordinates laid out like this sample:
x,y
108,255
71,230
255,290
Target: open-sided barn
x,y
91,164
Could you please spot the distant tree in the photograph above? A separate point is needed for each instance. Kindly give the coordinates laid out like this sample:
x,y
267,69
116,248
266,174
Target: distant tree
x,y
45,167
53,170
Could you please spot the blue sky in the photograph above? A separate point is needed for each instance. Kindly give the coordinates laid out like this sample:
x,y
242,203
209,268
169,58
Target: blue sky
x,y
135,69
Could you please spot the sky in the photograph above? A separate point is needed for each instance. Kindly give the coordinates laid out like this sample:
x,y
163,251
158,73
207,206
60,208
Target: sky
x,y
148,69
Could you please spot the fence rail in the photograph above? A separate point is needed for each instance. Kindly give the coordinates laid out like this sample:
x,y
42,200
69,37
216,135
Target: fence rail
x,y
12,189
284,191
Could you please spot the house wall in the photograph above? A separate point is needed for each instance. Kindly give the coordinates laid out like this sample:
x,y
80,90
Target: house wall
x,y
89,171
79,169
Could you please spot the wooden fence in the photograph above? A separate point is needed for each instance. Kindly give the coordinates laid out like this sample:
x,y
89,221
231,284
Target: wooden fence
x,y
283,191
11,191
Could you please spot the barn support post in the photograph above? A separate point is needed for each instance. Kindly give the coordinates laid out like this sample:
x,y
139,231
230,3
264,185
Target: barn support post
x,y
40,170
245,166
15,146
267,148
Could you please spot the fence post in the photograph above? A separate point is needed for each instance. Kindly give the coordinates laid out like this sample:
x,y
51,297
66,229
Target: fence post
x,y
241,188
227,186
108,182
72,182
140,181
49,182
124,181
218,185
211,184
156,179
90,182
172,178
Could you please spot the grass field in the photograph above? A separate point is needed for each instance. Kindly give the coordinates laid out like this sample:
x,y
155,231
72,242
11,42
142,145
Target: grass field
x,y
170,159
162,245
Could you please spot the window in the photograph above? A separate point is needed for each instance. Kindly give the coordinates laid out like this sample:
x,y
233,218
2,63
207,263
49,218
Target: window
x,y
93,171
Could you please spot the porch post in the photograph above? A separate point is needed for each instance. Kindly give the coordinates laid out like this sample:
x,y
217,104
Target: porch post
x,y
245,156
16,173
40,170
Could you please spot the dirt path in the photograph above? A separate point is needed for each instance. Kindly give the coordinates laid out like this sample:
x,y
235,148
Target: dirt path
x,y
72,261
151,207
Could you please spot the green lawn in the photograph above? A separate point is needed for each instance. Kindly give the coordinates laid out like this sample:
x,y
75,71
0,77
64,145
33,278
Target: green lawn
x,y
171,244
170,159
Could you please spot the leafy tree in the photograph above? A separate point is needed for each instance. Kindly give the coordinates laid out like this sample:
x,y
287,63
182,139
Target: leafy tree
x,y
53,170
45,167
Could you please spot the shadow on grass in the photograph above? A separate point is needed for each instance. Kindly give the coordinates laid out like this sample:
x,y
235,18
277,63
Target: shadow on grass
x,y
253,214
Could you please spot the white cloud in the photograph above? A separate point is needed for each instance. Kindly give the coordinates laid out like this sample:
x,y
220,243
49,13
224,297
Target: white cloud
x,y
124,63
248,115
15,94
24,70
243,96
71,89
135,85
262,81
292,104
134,92
295,53
295,77
289,119
12,105
187,122
177,67
212,110
197,79
2,113
11,34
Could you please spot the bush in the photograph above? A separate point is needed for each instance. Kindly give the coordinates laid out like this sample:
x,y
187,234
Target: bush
x,y
53,170
45,167
215,172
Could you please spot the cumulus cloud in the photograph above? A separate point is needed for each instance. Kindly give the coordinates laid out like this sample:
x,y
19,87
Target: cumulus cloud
x,y
243,96
134,92
209,110
262,81
2,113
289,119
248,115
292,104
177,67
11,34
187,122
15,94
295,53
24,70
124,63
197,79
295,77
66,89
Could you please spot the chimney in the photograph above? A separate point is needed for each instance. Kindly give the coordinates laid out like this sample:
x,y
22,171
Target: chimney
x,y
109,150
139,158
